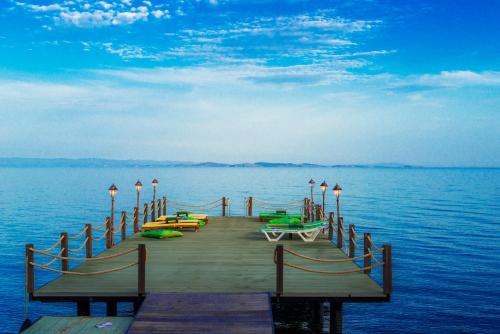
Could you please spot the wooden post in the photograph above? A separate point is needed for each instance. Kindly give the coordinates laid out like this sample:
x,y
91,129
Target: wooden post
x,y
387,271
367,245
64,248
250,206
352,237
136,219
159,208
83,308
145,213
88,243
340,233
141,269
330,226
279,270
164,206
124,225
153,211
223,206
30,270
335,318
111,309
109,233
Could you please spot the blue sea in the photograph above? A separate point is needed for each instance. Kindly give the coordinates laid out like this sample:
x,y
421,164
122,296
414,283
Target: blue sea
x,y
443,225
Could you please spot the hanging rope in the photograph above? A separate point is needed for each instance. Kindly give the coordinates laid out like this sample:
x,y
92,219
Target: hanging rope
x,y
99,227
102,236
326,272
54,245
378,249
79,235
291,203
85,258
79,248
325,260
85,274
54,259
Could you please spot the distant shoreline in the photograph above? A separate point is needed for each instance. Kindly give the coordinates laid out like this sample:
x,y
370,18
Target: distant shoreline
x,y
111,163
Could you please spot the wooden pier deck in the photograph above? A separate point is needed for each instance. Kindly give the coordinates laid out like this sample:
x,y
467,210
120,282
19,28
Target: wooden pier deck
x,y
228,255
204,313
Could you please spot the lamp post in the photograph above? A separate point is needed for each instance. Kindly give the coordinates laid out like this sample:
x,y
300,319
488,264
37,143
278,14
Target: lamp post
x,y
112,191
337,190
153,214
138,187
323,186
311,183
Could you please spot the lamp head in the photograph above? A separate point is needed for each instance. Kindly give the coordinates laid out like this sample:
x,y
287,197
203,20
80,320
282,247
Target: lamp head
x,y
324,186
113,190
337,190
155,183
138,185
311,182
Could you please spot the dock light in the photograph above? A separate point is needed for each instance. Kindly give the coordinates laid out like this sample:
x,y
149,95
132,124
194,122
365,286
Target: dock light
x,y
324,186
138,187
112,191
311,183
155,184
337,190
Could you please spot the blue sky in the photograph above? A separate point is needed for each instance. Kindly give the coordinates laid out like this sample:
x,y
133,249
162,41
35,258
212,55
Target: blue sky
x,y
414,82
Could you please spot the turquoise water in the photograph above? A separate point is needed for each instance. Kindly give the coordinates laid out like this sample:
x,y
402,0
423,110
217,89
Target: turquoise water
x,y
443,225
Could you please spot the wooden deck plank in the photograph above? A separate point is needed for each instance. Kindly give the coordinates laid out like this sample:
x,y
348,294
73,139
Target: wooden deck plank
x,y
79,325
227,255
205,312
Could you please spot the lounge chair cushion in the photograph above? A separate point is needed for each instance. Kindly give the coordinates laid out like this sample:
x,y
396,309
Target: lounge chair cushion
x,y
160,234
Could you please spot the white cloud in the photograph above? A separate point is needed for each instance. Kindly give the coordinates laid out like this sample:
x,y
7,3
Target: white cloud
x,y
96,14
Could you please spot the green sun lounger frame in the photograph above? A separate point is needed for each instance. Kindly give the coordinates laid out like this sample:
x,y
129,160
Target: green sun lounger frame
x,y
307,231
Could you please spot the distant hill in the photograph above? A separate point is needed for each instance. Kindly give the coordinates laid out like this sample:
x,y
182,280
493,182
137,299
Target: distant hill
x,y
110,163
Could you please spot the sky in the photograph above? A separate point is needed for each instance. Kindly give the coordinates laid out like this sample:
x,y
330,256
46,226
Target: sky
x,y
361,81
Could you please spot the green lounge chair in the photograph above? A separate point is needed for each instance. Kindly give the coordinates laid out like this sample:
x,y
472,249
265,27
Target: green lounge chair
x,y
266,216
307,231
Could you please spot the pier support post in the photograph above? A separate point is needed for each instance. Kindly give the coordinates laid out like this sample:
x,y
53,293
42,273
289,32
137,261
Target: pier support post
x,y
111,309
64,249
145,213
30,270
153,209
367,245
316,318
109,233
387,271
250,206
340,232
352,242
164,206
136,219
141,269
279,270
88,242
335,318
330,226
83,308
223,206
159,207
123,224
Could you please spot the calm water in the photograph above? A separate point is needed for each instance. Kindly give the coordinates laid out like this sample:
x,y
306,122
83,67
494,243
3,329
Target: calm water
x,y
443,225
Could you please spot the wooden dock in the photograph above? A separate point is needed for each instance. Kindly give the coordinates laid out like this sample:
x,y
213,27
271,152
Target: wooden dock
x,y
228,255
194,313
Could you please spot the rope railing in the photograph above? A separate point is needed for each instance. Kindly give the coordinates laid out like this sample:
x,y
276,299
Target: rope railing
x,y
54,259
99,258
84,243
378,249
102,236
175,204
68,272
54,245
99,227
79,235
325,260
292,203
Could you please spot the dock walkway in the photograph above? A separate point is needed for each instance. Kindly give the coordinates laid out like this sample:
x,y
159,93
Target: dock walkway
x,y
204,313
228,255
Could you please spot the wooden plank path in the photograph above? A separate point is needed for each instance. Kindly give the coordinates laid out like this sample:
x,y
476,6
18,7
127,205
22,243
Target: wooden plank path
x,y
79,325
204,313
228,255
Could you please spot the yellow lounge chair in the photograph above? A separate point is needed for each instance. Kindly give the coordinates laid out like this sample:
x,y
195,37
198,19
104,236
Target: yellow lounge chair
x,y
199,216
179,225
